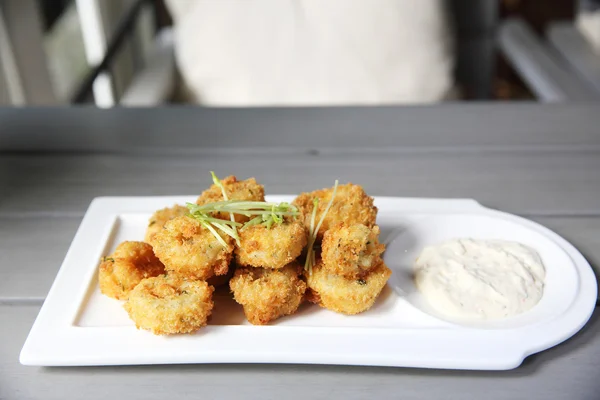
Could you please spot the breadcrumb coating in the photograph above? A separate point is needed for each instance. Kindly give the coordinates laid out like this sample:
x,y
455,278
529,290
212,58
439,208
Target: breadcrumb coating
x,y
167,305
351,250
161,217
351,206
273,247
187,248
268,294
346,296
131,262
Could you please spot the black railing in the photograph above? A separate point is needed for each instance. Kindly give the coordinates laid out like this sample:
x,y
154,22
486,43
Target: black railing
x,y
124,31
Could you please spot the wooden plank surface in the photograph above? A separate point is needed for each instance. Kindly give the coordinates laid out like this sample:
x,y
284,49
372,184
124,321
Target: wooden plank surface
x,y
516,125
31,252
566,371
526,182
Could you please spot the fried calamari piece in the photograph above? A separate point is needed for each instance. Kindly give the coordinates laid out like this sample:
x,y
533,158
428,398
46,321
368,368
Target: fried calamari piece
x,y
170,304
346,296
189,249
351,205
351,250
131,262
247,190
161,217
268,294
273,247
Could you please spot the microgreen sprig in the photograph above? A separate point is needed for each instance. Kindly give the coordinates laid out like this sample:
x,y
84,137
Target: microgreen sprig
x,y
274,211
210,223
218,182
274,216
262,212
313,231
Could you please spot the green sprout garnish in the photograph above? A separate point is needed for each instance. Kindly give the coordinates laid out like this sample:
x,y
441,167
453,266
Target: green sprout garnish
x,y
271,214
218,182
264,213
108,259
313,231
210,223
271,211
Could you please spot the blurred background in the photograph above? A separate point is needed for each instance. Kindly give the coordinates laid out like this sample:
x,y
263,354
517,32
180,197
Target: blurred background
x,y
297,52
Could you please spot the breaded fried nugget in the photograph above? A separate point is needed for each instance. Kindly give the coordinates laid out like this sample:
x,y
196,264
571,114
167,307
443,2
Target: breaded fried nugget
x,y
267,294
273,247
131,262
170,304
189,249
346,296
351,250
247,190
161,217
351,205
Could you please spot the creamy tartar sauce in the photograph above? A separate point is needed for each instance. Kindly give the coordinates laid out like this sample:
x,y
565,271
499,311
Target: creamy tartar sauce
x,y
480,279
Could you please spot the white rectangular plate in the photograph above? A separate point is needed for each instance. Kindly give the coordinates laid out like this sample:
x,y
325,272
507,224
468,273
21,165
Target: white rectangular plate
x,y
79,326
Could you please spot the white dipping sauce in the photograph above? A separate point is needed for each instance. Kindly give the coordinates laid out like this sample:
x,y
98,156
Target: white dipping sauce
x,y
480,279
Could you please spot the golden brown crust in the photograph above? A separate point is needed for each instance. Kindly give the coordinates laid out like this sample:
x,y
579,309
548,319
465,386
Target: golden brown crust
x,y
188,249
273,247
131,262
167,305
247,190
351,250
346,296
351,206
268,294
161,217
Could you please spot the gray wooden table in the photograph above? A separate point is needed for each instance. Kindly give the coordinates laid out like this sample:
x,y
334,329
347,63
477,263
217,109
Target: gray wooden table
x,y
542,162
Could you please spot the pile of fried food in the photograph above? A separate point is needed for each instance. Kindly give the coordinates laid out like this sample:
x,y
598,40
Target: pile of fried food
x,y
323,248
